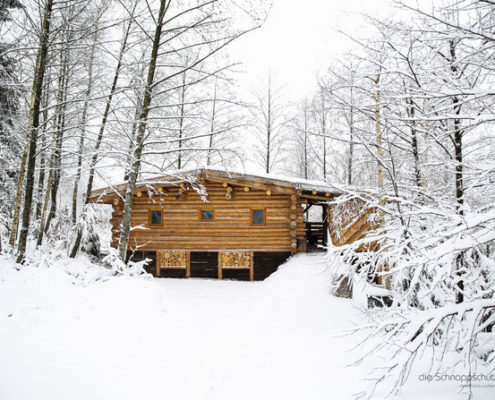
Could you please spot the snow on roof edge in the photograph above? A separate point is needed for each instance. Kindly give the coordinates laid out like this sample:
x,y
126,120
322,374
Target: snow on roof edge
x,y
296,183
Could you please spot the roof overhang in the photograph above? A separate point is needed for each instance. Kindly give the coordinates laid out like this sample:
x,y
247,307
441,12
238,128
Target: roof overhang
x,y
310,190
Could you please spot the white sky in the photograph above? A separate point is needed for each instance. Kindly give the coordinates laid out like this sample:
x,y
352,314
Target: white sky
x,y
300,37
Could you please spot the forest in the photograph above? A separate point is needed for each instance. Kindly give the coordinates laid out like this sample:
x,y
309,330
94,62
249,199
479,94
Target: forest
x,y
98,92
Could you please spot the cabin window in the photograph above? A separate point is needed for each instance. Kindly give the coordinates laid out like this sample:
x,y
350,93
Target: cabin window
x,y
155,216
258,216
207,215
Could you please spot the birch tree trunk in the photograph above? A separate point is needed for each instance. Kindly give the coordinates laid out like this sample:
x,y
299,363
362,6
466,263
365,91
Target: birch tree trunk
x,y
34,114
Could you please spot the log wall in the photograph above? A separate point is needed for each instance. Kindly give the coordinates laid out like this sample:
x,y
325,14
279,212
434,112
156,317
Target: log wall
x,y
231,229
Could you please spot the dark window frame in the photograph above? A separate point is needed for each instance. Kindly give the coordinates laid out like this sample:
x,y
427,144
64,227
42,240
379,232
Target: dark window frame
x,y
150,211
201,215
251,216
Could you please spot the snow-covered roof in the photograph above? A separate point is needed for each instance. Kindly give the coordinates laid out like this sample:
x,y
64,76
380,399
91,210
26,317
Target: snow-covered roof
x,y
192,175
275,179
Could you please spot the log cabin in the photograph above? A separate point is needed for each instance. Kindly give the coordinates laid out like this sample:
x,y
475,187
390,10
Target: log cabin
x,y
220,224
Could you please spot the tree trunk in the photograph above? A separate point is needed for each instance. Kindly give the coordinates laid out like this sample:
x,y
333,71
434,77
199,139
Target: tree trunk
x,y
58,130
269,125
351,136
134,172
379,144
378,126
181,118
132,138
212,125
18,199
459,173
34,114
324,132
99,139
459,194
305,141
414,142
57,166
83,127
41,175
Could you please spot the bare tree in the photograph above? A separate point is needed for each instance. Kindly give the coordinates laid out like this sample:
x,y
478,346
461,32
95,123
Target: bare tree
x,y
34,114
269,122
108,103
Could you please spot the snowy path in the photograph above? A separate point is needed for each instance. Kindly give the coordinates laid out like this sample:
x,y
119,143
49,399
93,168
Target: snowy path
x,y
179,339
261,340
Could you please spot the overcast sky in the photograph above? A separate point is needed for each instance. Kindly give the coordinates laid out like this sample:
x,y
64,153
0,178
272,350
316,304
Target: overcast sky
x,y
299,38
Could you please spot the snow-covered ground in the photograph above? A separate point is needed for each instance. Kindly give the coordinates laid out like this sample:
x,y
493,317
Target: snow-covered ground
x,y
65,337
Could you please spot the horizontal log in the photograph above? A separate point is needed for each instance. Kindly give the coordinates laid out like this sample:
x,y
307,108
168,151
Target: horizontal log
x,y
178,241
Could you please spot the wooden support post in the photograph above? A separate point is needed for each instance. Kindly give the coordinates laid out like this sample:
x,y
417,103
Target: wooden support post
x,y
219,265
251,268
157,267
188,265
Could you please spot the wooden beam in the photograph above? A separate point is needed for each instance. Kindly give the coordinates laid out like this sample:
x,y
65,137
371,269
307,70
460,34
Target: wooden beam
x,y
251,267
188,265
259,186
312,197
219,265
157,272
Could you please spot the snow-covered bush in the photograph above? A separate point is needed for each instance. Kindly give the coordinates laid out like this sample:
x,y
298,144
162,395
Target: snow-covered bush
x,y
118,267
94,227
441,272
